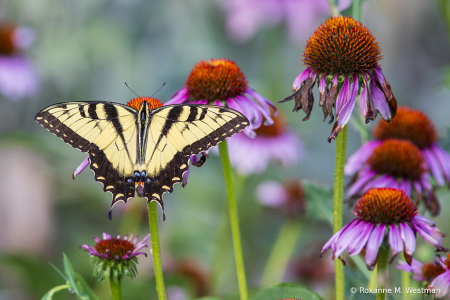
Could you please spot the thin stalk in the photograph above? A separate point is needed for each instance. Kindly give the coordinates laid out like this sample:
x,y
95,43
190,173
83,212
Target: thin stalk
x,y
406,282
221,254
281,252
382,277
234,221
116,288
334,10
156,249
373,279
341,146
445,10
356,11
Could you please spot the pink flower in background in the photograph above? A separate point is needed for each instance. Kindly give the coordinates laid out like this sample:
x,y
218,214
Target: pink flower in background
x,y
289,197
381,212
414,126
422,271
274,143
245,17
395,164
18,78
221,82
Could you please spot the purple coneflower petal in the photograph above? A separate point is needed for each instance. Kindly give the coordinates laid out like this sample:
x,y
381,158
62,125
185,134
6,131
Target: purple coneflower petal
x,y
363,101
332,241
300,78
395,239
355,161
179,97
347,236
96,239
405,186
384,180
364,176
264,102
360,241
415,268
434,165
106,236
379,101
430,233
424,220
418,189
441,283
81,167
343,96
373,245
409,240
443,158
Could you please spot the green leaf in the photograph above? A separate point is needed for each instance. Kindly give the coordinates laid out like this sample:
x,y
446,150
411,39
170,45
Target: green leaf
x,y
58,288
320,201
77,283
287,290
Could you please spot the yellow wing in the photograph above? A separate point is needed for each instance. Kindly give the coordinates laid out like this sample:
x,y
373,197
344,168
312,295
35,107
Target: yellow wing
x,y
107,132
178,131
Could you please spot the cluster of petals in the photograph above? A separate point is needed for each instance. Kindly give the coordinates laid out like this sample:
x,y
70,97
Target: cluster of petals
x,y
252,105
422,272
369,234
366,178
108,256
376,96
245,17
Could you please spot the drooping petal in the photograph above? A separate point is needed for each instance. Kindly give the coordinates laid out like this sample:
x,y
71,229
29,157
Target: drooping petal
x,y
441,284
343,96
300,79
379,101
355,161
430,233
405,186
348,235
443,158
266,105
373,245
395,239
434,165
363,177
360,241
409,241
329,102
81,167
343,115
387,91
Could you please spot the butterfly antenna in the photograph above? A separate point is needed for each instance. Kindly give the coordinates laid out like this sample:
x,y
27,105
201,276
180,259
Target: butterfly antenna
x,y
158,89
131,89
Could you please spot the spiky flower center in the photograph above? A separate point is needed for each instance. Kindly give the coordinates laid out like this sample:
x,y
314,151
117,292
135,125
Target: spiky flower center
x,y
216,79
137,102
398,159
7,46
408,124
447,261
385,205
342,46
278,127
431,270
117,247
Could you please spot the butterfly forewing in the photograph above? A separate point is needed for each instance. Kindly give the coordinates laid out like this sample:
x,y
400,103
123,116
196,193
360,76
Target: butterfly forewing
x,y
179,131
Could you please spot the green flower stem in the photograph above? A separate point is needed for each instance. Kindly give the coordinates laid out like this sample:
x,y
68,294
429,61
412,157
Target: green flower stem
x,y
373,279
281,252
223,150
382,277
445,10
221,254
341,146
356,10
156,249
116,288
405,284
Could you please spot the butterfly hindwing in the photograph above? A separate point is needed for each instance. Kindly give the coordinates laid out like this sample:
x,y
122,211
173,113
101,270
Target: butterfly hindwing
x,y
104,130
178,131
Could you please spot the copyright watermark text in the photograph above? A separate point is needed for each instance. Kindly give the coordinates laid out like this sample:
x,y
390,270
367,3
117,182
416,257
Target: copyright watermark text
x,y
396,290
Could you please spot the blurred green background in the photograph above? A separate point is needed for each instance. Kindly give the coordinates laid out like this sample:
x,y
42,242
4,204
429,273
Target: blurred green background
x,y
86,50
